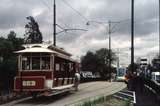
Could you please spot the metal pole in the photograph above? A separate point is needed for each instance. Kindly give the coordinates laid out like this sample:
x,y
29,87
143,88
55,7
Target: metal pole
x,y
118,64
159,28
132,36
54,23
109,32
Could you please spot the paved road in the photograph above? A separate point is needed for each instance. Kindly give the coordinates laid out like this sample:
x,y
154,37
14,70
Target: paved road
x,y
86,91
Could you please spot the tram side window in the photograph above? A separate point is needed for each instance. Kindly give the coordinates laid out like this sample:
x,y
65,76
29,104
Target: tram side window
x,y
57,67
62,66
45,63
35,63
70,66
25,63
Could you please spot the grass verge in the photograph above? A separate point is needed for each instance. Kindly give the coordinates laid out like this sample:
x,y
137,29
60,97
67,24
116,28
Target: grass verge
x,y
105,101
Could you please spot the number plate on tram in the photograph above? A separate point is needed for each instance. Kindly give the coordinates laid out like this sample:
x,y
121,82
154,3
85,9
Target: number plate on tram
x,y
29,83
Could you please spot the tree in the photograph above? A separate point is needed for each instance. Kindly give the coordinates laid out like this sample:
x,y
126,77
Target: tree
x,y
6,48
98,61
103,61
8,61
136,67
16,42
32,31
89,62
103,54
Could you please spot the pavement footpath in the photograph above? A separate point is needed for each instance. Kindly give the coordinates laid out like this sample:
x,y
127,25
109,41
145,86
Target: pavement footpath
x,y
144,96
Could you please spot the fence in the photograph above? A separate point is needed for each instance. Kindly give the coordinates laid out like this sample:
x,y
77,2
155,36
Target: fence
x,y
155,87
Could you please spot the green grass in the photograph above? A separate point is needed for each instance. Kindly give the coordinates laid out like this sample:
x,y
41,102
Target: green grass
x,y
105,101
113,102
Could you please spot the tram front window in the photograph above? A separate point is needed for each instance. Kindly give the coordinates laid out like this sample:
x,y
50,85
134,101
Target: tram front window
x,y
35,63
25,63
45,63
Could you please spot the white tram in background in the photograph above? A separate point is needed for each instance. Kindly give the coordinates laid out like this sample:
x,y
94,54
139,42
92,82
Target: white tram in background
x,y
44,69
121,72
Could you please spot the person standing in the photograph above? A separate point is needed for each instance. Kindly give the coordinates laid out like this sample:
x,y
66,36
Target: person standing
x,y
77,80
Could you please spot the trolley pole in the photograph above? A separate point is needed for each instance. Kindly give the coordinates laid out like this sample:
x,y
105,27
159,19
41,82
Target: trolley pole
x,y
132,36
54,23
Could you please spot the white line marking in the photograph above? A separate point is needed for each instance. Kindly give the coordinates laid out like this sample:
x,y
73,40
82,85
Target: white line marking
x,y
134,95
125,94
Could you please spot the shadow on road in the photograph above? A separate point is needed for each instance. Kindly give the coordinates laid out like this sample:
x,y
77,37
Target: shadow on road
x,y
45,100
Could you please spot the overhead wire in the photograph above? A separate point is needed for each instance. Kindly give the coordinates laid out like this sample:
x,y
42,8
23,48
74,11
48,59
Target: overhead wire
x,y
44,3
80,14
68,4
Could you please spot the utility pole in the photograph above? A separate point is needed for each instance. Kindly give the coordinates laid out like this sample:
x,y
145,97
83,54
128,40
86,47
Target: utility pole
x,y
118,63
109,34
110,30
132,36
159,28
54,23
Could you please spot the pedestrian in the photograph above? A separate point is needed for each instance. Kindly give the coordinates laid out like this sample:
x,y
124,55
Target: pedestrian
x,y
77,80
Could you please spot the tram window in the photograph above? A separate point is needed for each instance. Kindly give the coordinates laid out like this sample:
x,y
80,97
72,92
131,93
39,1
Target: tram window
x,y
45,63
35,63
25,63
57,67
63,67
70,66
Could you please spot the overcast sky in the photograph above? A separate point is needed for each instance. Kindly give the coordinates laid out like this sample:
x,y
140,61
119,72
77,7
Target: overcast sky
x,y
13,13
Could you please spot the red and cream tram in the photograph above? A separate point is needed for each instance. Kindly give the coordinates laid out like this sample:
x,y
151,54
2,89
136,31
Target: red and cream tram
x,y
44,69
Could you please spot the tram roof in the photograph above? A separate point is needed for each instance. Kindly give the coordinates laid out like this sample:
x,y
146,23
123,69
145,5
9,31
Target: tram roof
x,y
35,50
43,48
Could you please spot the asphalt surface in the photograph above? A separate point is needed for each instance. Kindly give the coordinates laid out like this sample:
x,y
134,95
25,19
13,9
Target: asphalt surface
x,y
86,91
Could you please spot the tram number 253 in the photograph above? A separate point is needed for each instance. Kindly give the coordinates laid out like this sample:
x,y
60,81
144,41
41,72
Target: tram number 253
x,y
29,83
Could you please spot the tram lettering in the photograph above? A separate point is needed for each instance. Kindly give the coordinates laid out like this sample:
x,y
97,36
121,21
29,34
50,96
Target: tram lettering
x,y
29,83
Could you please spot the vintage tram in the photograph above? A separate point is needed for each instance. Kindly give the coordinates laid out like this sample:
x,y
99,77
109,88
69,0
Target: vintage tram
x,y
44,69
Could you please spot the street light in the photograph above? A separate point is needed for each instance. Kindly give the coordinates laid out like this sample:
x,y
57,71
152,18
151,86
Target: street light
x,y
109,37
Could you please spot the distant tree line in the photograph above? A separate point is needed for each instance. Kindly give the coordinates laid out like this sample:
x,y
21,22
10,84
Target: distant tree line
x,y
98,62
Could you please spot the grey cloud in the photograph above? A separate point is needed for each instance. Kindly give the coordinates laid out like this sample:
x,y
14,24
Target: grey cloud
x,y
13,13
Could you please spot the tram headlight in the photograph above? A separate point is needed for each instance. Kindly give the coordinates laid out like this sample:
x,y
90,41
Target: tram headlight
x,y
49,84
